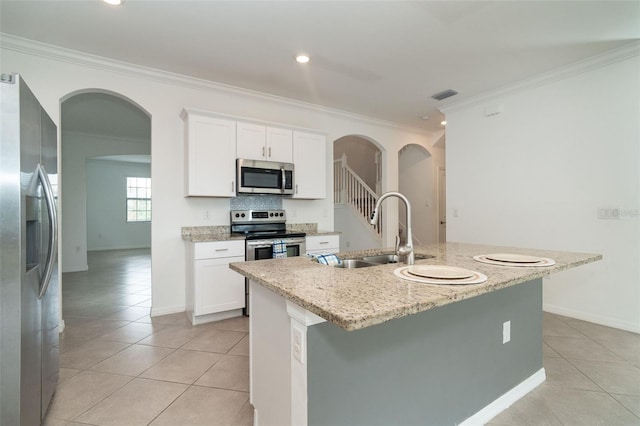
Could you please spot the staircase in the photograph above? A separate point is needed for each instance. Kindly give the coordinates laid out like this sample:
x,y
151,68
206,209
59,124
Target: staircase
x,y
349,189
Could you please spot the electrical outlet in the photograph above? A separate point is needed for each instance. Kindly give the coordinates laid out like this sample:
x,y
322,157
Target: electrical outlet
x,y
506,332
206,215
456,212
298,343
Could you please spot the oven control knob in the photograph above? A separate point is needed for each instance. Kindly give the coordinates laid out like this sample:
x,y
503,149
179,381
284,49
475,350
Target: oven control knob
x,y
281,214
242,215
271,214
237,214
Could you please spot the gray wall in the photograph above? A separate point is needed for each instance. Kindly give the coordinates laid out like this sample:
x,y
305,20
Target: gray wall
x,y
107,227
438,367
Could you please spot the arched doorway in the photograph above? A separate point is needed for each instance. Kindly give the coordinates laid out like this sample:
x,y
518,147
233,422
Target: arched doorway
x,y
416,180
357,184
106,169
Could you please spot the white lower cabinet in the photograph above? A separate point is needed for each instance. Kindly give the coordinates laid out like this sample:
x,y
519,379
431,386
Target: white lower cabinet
x,y
214,291
323,244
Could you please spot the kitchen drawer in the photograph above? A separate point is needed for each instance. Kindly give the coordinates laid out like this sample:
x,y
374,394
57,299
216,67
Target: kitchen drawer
x,y
318,243
219,249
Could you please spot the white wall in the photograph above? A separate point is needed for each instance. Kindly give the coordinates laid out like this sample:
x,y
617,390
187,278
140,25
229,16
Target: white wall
x,y
355,233
417,181
107,226
536,175
76,148
53,74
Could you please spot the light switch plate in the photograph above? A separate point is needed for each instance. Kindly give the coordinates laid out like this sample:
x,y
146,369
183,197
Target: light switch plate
x,y
506,332
297,343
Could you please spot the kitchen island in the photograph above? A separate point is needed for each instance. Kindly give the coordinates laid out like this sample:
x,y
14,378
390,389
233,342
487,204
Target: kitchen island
x,y
362,346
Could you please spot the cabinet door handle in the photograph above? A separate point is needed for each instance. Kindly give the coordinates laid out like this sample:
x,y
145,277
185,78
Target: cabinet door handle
x,y
324,242
296,188
263,151
269,152
233,186
222,249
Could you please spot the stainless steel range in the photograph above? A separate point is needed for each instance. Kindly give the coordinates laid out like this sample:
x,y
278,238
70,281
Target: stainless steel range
x,y
262,229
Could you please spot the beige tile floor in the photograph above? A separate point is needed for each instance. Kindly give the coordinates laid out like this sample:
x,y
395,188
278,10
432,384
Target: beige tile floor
x,y
120,367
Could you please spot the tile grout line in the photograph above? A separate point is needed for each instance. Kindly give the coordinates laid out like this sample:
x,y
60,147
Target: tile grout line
x,y
623,361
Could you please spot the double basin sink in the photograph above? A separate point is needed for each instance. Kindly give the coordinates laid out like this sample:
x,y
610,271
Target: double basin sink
x,y
381,259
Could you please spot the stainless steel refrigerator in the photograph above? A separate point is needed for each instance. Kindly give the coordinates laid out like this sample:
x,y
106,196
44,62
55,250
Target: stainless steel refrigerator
x,y
28,256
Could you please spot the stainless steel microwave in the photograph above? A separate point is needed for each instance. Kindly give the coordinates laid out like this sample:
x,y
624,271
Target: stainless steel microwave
x,y
264,177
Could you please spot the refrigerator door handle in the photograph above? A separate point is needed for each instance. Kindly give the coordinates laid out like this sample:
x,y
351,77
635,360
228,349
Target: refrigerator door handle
x,y
53,231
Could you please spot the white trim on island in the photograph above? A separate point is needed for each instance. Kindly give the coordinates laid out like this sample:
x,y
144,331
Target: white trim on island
x,y
505,401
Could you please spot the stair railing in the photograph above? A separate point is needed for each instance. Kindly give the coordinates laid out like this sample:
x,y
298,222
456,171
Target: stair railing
x,y
349,188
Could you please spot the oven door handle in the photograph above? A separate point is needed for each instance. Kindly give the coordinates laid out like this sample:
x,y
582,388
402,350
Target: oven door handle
x,y
295,241
269,243
258,244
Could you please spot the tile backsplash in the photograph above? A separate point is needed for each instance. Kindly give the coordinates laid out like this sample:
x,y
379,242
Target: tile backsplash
x,y
256,202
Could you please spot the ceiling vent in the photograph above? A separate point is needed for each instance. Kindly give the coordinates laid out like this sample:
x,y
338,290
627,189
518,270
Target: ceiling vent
x,y
445,94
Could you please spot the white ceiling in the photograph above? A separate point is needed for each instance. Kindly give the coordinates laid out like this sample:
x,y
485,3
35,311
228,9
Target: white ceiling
x,y
383,59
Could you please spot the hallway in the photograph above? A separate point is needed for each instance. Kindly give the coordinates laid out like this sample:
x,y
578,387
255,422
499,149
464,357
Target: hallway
x,y
120,367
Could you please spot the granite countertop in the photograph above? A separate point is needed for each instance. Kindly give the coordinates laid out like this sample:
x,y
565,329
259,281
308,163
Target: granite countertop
x,y
321,233
202,234
359,298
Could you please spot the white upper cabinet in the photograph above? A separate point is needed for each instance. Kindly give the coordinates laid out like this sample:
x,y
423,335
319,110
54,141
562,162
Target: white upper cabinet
x,y
214,141
309,157
210,154
251,141
256,142
280,145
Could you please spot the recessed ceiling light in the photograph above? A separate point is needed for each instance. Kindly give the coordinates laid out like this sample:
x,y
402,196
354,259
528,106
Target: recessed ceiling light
x,y
114,2
443,123
302,59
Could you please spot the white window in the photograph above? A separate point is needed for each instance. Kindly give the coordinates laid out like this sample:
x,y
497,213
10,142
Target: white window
x,y
138,199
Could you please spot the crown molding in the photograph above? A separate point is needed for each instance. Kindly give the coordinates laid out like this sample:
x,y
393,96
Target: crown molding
x,y
607,58
61,54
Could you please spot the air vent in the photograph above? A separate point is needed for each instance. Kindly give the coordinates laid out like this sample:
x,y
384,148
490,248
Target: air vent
x,y
7,78
445,94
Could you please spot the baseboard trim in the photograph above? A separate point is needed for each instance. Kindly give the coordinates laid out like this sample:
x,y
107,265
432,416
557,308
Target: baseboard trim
x,y
80,268
590,317
219,316
505,401
156,312
110,248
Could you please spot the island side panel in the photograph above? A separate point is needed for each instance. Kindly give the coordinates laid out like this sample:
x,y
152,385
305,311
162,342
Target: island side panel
x,y
270,359
436,367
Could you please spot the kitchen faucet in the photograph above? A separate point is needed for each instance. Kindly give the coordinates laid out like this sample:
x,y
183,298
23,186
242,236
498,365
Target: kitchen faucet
x,y
406,250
